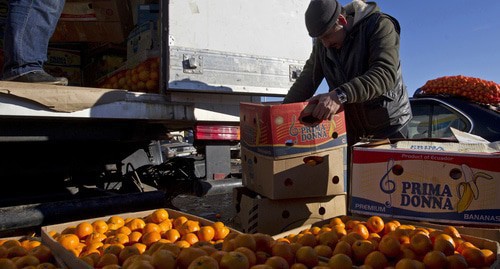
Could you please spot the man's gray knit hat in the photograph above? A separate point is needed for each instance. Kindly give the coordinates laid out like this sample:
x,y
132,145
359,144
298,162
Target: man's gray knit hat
x,y
321,15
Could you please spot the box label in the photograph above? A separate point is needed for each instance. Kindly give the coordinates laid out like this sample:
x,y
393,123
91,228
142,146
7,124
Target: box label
x,y
433,186
275,130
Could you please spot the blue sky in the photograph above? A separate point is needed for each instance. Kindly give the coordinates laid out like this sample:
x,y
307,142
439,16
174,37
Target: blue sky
x,y
446,38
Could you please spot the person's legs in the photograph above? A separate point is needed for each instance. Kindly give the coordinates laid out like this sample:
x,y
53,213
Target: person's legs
x,y
30,25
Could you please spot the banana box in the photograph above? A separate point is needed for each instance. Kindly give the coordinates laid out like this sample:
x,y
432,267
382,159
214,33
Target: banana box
x,y
443,182
274,130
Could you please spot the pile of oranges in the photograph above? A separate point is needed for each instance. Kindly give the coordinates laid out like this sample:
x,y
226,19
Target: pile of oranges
x,y
157,241
475,89
377,244
142,78
110,243
25,253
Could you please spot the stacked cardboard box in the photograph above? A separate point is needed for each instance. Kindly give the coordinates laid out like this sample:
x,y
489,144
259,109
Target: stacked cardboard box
x,y
292,174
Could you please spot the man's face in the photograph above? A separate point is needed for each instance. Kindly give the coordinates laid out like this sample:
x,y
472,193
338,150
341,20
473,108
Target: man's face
x,y
334,37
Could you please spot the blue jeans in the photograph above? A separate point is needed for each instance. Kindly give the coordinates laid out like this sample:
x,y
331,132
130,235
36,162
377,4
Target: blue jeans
x,y
29,27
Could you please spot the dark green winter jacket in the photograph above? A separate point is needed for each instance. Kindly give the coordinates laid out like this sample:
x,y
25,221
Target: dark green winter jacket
x,y
367,68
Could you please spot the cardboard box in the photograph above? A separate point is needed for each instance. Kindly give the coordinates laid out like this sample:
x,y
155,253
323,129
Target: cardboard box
x,y
69,258
142,39
313,175
94,21
428,181
259,214
274,130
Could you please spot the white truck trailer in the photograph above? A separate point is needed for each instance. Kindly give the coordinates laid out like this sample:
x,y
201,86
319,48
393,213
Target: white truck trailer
x,y
74,152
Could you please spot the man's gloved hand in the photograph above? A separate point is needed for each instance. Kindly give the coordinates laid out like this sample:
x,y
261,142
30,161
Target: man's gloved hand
x,y
321,107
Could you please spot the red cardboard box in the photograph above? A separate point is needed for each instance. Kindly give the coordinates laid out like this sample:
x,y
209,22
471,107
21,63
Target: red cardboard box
x,y
427,181
274,130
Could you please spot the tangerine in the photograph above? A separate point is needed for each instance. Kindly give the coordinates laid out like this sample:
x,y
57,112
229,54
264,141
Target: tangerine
x,y
340,261
375,224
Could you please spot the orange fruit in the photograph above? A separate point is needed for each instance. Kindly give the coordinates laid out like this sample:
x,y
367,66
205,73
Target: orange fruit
x,y
187,255
217,255
328,238
117,239
46,265
375,224
421,243
68,241
42,252
324,251
351,237
172,235
25,261
221,232
107,259
252,259
113,249
94,237
115,222
151,227
361,249
474,257
182,244
164,259
136,224
463,245
245,240
376,260
150,237
30,244
340,261
444,246
350,224
336,221
341,231
11,243
206,233
165,225
457,261
307,239
6,263
361,229
390,246
342,247
390,227
435,260
406,263
204,262
123,230
179,221
452,231
159,215
283,250
307,256
191,238
277,262
263,242
265,266
127,252
489,255
100,226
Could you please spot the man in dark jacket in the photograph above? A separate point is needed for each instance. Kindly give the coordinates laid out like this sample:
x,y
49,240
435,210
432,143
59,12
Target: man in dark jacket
x,y
356,49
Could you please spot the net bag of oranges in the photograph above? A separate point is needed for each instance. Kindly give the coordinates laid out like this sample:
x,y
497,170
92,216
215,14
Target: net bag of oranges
x,y
475,89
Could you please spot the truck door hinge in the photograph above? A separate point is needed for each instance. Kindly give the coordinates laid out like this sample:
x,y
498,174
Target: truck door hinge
x,y
192,64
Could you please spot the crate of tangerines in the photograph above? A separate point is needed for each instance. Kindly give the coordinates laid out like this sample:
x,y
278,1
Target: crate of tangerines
x,y
146,239
377,243
27,252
